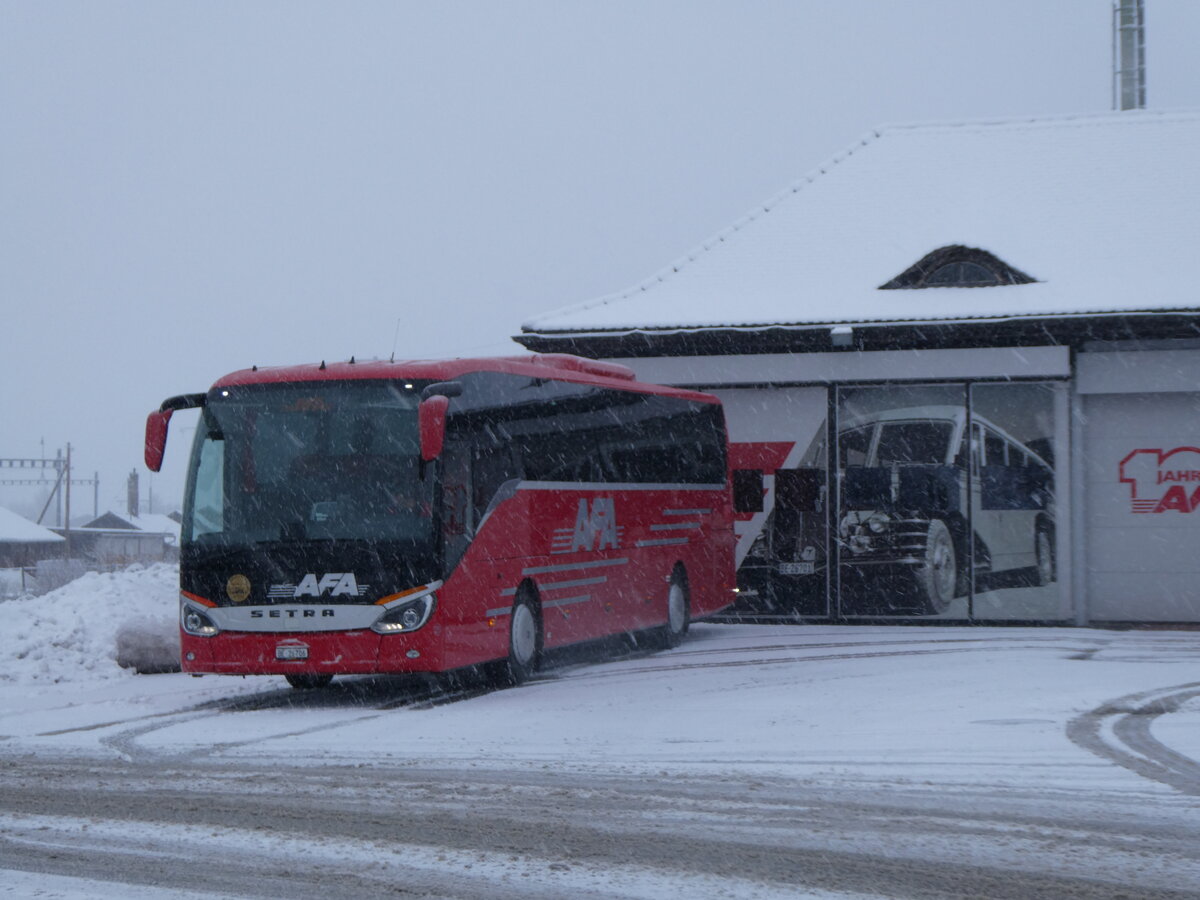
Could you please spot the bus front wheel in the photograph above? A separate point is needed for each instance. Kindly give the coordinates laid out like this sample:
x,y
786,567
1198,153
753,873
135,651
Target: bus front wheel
x,y
937,575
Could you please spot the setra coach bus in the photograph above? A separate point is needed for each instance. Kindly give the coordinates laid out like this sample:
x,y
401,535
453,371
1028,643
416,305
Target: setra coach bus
x,y
389,517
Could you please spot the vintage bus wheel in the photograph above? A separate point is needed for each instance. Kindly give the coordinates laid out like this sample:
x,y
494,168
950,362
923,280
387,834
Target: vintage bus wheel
x,y
524,639
938,574
308,682
1044,547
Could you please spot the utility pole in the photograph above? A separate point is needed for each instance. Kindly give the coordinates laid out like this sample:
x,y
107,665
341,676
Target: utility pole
x,y
40,465
67,531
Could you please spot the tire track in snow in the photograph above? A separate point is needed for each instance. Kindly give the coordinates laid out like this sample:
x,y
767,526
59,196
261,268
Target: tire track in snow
x,y
668,666
379,694
418,696
1128,719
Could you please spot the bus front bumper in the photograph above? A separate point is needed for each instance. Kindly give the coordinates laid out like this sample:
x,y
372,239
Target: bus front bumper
x,y
321,653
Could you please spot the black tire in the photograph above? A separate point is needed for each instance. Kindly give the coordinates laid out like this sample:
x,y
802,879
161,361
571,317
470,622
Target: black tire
x,y
308,682
937,576
525,638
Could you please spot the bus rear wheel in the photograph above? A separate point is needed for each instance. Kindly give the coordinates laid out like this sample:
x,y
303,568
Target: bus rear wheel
x,y
308,682
679,612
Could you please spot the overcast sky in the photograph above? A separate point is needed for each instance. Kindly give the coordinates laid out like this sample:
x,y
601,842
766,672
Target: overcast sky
x,y
189,188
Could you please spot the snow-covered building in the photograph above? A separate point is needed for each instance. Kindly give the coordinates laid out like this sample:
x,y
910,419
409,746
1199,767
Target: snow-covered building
x,y
24,543
990,324
113,539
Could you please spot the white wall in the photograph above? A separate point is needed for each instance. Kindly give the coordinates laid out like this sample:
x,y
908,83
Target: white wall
x,y
1140,566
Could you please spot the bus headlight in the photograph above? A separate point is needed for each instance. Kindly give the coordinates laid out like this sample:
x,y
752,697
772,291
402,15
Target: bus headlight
x,y
194,621
879,522
862,530
407,616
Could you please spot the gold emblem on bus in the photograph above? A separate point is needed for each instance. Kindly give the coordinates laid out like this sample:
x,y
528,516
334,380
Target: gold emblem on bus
x,y
238,588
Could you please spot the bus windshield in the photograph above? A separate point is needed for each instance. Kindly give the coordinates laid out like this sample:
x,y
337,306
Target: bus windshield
x,y
913,443
308,462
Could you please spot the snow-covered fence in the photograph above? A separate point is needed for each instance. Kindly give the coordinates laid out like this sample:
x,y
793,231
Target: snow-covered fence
x,y
51,574
13,583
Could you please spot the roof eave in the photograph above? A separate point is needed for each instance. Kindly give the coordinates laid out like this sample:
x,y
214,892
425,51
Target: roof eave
x,y
1025,329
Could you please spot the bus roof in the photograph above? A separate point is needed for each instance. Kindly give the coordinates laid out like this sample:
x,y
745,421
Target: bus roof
x,y
553,366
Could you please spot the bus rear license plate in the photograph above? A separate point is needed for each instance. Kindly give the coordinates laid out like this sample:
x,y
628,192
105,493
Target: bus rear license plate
x,y
797,568
291,653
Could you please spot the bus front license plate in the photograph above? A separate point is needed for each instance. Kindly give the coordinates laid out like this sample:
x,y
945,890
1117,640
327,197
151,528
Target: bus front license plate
x,y
291,653
797,568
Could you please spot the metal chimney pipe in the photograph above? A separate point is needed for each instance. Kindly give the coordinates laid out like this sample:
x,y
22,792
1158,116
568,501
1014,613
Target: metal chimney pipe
x,y
1129,55
131,494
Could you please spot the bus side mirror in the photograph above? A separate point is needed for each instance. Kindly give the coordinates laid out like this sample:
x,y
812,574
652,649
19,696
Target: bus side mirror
x,y
431,423
747,490
444,388
156,438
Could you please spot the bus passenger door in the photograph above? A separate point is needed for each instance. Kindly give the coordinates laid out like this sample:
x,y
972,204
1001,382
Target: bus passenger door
x,y
458,519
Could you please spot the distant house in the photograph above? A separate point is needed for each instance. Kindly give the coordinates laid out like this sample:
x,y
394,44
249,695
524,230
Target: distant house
x,y
23,544
962,361
114,539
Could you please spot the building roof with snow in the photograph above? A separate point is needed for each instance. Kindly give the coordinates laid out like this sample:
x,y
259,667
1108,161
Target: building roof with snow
x,y
158,523
151,523
15,529
1081,217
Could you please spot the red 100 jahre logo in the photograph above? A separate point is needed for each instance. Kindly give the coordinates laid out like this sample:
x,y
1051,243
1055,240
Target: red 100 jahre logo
x,y
1163,481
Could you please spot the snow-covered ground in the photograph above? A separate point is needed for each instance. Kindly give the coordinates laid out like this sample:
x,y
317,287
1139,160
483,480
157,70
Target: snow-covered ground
x,y
1066,719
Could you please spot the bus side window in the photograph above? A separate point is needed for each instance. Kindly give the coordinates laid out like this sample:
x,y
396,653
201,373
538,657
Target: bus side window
x,y
995,447
456,479
208,503
853,446
491,467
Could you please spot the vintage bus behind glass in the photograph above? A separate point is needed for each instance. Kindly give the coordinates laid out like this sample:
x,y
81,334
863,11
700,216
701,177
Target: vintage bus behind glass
x,y
388,517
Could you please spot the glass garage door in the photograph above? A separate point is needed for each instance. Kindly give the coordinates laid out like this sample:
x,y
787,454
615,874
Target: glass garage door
x,y
947,501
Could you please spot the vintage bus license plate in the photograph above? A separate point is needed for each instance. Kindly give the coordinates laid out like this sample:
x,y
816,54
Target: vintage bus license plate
x,y
291,653
797,568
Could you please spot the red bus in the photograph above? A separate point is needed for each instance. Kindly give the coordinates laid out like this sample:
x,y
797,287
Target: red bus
x,y
388,517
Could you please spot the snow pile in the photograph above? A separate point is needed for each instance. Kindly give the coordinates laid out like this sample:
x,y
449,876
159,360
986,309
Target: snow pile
x,y
80,631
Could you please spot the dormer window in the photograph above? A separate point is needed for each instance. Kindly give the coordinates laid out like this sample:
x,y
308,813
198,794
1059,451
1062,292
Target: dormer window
x,y
957,266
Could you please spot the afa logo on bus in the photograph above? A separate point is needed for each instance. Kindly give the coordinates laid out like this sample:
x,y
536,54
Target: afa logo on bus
x,y
595,528
1162,481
